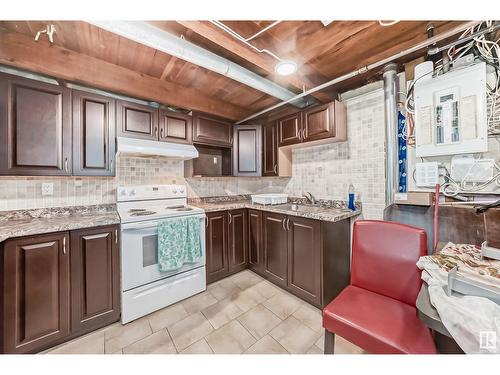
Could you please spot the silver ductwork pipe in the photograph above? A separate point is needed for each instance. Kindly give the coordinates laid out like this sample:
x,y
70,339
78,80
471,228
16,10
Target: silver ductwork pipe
x,y
391,89
153,37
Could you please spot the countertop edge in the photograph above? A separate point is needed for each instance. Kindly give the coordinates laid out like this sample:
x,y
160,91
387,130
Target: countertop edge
x,y
214,207
110,219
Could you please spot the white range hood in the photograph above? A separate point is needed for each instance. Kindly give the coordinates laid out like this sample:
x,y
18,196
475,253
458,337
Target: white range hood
x,y
142,147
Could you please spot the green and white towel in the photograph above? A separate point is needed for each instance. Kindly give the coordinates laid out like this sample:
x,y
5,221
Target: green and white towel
x,y
178,242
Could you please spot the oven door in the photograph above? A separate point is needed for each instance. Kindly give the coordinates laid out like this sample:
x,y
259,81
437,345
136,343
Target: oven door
x,y
139,254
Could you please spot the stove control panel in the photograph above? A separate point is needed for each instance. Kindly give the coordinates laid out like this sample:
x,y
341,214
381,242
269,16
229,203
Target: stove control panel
x,y
146,192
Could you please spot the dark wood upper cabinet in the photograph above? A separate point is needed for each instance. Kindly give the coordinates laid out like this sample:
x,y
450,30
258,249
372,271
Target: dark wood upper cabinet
x,y
290,129
237,240
216,246
175,127
136,120
319,122
247,150
35,127
211,131
270,150
36,292
275,247
325,121
95,278
93,134
255,256
304,258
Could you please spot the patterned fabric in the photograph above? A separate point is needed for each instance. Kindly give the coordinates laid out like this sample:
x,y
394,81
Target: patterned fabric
x,y
178,243
402,152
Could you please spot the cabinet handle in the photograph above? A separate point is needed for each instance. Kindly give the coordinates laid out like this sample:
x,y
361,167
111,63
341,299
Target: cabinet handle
x,y
64,245
116,236
111,165
287,223
206,221
156,131
161,132
283,223
303,134
66,165
275,169
230,217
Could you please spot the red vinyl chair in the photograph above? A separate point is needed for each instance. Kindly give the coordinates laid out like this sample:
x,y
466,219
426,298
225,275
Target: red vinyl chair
x,y
377,310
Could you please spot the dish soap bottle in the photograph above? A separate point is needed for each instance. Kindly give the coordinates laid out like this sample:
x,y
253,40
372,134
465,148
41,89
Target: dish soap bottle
x,y
350,203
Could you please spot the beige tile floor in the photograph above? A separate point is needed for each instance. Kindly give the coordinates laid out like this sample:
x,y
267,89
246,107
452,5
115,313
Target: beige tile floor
x,y
241,314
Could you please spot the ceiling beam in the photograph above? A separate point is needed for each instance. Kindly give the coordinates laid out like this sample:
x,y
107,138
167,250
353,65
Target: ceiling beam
x,y
226,41
22,51
149,35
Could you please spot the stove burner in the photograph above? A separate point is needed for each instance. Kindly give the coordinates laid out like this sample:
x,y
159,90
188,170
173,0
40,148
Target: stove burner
x,y
141,213
184,209
180,208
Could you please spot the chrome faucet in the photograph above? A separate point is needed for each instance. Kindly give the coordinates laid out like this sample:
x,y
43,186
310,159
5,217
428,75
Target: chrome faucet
x,y
310,198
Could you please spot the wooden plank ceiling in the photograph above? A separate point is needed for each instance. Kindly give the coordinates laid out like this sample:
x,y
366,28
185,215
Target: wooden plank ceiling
x,y
322,53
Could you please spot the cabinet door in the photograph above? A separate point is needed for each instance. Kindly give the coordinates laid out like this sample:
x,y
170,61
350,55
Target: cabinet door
x,y
210,131
137,121
35,127
319,122
275,248
237,240
304,258
95,278
216,246
36,292
93,134
247,152
255,240
175,127
290,129
270,150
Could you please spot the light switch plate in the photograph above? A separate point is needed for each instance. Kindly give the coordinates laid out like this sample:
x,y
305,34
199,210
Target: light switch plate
x,y
47,188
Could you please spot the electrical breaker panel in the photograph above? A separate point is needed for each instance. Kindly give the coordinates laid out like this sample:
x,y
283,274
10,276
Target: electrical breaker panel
x,y
450,113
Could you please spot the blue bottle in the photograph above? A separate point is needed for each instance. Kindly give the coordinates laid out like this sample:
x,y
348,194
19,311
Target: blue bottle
x,y
351,198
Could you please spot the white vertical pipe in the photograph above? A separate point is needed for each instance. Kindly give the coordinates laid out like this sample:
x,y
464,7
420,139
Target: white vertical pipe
x,y
391,132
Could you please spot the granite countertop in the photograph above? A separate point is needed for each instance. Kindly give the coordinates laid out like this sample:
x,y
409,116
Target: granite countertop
x,y
312,212
30,222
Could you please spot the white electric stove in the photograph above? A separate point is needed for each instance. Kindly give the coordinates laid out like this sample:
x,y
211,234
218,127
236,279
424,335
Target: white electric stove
x,y
144,287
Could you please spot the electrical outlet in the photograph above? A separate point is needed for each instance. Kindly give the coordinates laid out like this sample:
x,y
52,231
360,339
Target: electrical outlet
x,y
47,188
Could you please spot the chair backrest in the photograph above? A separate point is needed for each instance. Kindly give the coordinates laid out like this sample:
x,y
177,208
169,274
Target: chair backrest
x,y
384,256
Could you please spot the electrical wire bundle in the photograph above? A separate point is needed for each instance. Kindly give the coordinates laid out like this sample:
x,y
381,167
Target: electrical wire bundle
x,y
452,188
483,49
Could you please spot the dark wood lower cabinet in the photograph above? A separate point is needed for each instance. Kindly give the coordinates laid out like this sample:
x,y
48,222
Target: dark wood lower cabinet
x,y
237,240
226,243
57,286
216,246
275,248
95,278
304,258
36,289
255,240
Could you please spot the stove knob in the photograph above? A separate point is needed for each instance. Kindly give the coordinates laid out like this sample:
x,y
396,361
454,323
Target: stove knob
x,y
175,191
181,191
132,192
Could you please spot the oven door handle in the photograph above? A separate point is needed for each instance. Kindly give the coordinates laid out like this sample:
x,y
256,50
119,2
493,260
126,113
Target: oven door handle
x,y
139,226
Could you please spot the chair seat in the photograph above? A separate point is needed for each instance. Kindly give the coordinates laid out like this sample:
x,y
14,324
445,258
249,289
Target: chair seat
x,y
376,323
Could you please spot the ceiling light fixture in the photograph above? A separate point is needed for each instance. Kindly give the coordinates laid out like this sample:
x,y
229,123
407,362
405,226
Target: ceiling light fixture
x,y
285,67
